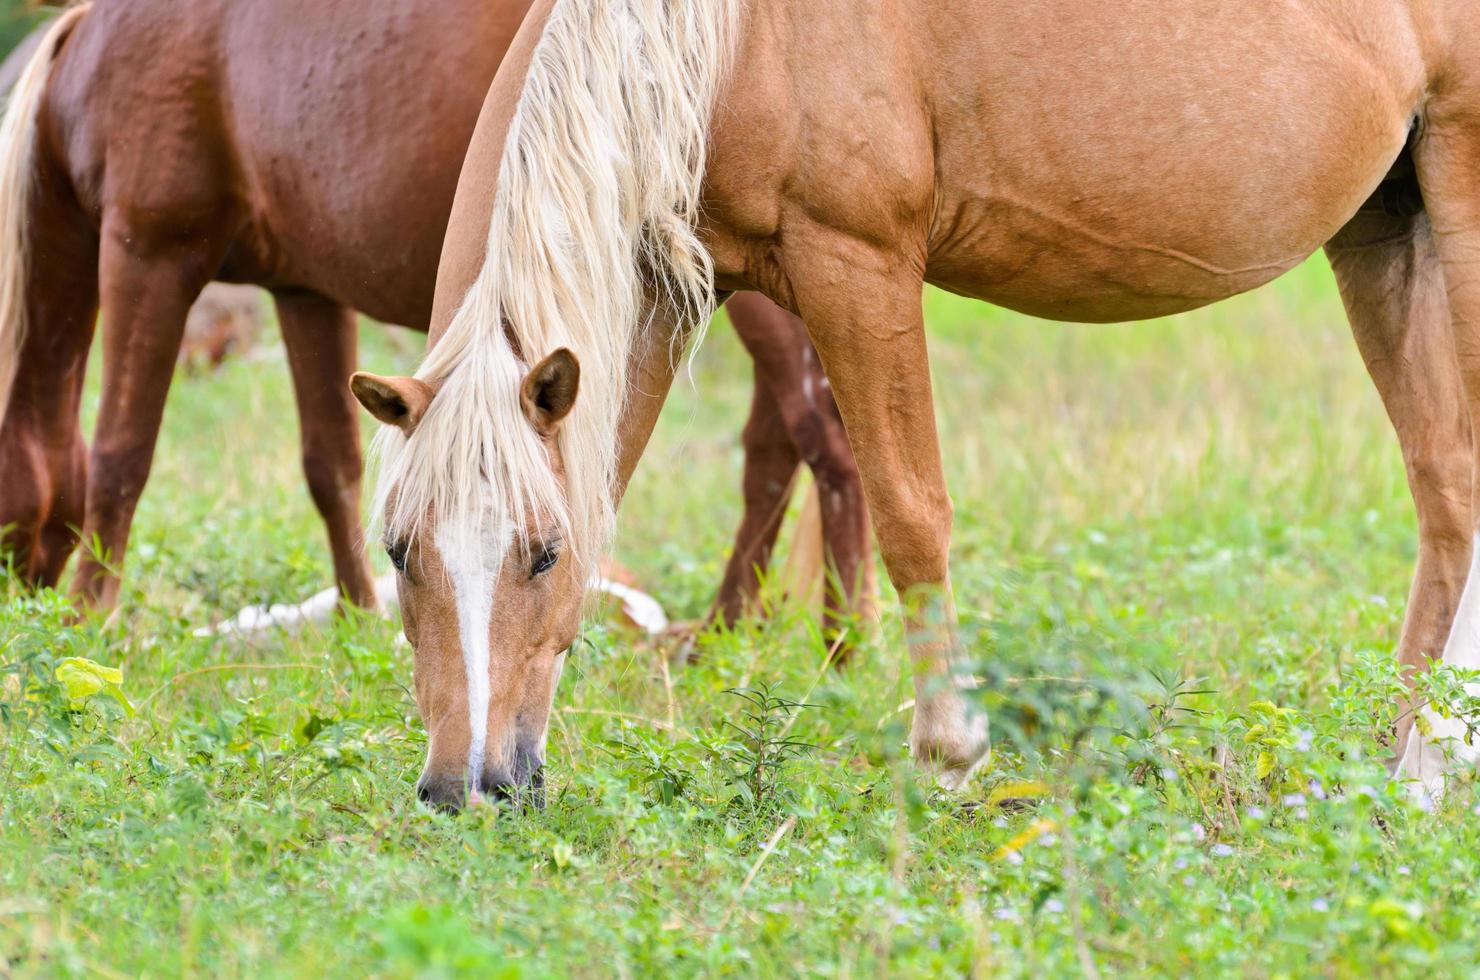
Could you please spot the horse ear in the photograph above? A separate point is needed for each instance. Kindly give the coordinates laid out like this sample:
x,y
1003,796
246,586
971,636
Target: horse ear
x,y
395,401
549,390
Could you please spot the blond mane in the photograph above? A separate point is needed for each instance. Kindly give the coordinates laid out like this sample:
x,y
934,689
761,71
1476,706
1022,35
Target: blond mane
x,y
594,217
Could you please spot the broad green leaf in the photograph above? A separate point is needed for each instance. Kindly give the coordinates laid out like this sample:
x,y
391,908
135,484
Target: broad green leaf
x,y
82,678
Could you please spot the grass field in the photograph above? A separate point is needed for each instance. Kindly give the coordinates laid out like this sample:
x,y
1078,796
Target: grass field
x,y
1181,554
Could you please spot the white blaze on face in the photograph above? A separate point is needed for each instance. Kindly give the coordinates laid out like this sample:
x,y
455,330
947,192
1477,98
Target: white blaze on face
x,y
1430,758
472,557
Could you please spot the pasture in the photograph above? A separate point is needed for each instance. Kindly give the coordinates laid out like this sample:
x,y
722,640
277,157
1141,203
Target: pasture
x,y
1181,556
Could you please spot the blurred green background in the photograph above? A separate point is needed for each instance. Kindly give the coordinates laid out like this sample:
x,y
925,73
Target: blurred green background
x,y
17,17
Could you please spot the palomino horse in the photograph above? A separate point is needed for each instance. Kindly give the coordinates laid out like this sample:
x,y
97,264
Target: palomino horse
x,y
1071,159
154,146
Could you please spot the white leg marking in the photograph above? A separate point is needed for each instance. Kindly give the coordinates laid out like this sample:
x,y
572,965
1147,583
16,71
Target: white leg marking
x,y
640,607
256,620
1430,758
385,591
318,608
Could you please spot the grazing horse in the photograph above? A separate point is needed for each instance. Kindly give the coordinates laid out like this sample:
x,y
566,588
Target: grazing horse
x,y
1071,159
155,145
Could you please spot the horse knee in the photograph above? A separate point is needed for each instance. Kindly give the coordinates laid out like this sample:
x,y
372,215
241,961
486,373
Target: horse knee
x,y
1440,483
116,480
333,478
915,541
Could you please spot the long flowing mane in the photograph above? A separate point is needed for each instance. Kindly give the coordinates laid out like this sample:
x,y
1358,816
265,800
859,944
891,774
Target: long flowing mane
x,y
594,214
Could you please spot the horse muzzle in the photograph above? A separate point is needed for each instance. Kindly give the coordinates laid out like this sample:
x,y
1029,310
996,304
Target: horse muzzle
x,y
524,786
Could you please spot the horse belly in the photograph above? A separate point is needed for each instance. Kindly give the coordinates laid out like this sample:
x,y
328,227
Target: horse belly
x,y
1186,156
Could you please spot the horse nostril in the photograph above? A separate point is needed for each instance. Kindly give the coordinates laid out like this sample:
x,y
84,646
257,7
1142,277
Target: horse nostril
x,y
496,790
445,795
528,789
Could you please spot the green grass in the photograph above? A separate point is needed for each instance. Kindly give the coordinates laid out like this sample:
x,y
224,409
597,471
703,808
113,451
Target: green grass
x,y
1210,504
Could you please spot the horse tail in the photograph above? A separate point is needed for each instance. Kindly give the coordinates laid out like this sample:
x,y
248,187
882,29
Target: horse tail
x,y
17,180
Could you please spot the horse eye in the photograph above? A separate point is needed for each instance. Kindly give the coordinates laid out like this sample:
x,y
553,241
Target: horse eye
x,y
544,561
397,552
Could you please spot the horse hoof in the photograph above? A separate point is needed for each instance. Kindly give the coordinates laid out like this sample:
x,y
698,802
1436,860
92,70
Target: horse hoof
x,y
951,753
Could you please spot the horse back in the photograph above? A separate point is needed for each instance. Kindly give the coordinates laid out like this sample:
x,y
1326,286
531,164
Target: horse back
x,y
325,139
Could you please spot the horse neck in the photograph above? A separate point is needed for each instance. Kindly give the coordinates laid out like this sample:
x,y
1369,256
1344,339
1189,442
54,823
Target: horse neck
x,y
652,364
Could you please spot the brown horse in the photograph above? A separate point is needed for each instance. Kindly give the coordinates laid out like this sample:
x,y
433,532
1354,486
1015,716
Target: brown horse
x,y
314,150
1067,158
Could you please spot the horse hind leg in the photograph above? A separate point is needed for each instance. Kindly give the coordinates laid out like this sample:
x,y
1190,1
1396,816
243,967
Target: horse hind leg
x,y
816,427
149,278
1393,286
43,456
794,418
320,336
770,470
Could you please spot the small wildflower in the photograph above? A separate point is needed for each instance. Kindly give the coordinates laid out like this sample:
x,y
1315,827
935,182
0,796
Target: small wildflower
x,y
1198,833
1293,799
1255,813
1053,906
1425,803
1316,789
1320,905
1005,914
1222,850
1404,870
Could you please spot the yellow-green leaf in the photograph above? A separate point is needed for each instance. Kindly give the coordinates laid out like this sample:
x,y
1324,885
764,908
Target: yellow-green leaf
x,y
82,678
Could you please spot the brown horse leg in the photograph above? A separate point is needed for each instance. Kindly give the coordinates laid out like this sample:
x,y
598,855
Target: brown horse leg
x,y
777,340
1393,287
321,339
147,289
862,308
42,453
1448,165
771,463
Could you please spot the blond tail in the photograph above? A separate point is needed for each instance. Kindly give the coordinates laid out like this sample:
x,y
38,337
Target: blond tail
x,y
17,178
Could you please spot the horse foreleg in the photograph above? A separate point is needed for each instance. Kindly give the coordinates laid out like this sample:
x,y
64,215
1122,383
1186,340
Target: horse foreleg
x,y
1448,164
43,457
1393,287
862,307
146,292
320,336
